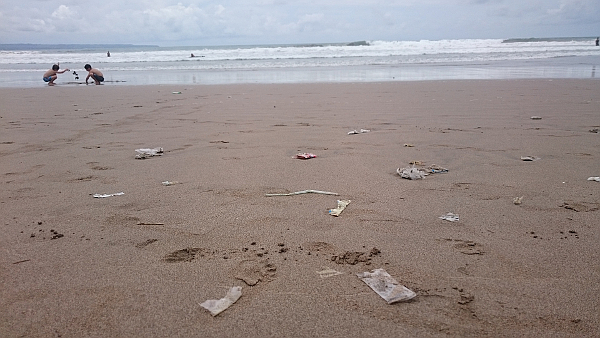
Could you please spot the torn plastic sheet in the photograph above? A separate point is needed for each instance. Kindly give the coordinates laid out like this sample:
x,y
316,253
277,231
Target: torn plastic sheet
x,y
147,152
594,178
342,204
411,173
386,286
216,306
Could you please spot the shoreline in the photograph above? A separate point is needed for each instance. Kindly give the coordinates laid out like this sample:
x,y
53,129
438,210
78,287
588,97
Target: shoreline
x,y
565,68
139,264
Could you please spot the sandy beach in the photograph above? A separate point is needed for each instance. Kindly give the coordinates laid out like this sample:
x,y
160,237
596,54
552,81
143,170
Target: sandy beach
x,y
141,263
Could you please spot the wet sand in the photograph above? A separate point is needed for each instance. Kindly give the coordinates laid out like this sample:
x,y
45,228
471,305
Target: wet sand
x,y
139,264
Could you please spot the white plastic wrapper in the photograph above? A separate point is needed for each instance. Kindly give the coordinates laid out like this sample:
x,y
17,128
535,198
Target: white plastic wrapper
x,y
147,152
386,286
342,204
450,217
411,173
216,306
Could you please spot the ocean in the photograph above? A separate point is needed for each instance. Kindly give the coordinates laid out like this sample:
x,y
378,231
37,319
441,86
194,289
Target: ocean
x,y
22,65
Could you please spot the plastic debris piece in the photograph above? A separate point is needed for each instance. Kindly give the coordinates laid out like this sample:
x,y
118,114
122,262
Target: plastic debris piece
x,y
530,158
362,131
450,217
305,156
416,162
386,286
595,130
304,192
517,200
176,92
411,173
168,183
342,204
216,306
327,272
594,178
536,117
408,145
147,152
108,195
436,169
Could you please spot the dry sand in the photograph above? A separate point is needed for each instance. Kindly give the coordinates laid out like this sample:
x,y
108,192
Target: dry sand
x,y
139,264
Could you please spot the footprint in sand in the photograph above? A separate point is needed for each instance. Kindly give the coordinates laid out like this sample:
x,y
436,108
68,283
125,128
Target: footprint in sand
x,y
252,271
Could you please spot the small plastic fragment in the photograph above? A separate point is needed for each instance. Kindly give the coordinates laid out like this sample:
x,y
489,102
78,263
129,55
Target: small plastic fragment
x,y
386,286
529,158
168,183
517,200
304,192
108,195
305,156
327,272
147,152
342,204
216,306
450,217
362,131
536,117
594,178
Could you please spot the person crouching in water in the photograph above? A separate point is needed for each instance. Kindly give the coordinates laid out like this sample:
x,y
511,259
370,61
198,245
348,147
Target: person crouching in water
x,y
94,74
51,74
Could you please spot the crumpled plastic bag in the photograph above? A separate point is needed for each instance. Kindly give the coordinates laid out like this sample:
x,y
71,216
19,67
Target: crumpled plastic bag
x,y
411,173
147,152
216,306
594,178
386,286
342,204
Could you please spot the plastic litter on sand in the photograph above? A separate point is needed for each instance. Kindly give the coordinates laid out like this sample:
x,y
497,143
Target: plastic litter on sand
x,y
594,178
305,156
529,158
147,152
108,195
216,306
386,286
450,217
411,173
342,204
327,272
362,131
518,200
304,192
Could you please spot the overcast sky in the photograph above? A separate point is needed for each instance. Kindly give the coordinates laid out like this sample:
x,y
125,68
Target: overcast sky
x,y
227,22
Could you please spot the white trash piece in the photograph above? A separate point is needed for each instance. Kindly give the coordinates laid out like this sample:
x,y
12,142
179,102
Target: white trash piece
x,y
518,200
327,272
342,204
216,306
411,173
386,286
450,217
108,195
362,131
536,117
529,158
594,178
147,152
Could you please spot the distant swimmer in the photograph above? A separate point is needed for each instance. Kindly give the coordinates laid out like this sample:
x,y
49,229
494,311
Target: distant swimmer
x,y
194,55
597,41
108,54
